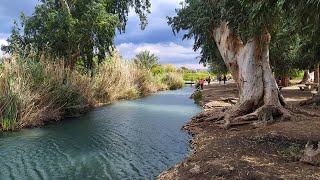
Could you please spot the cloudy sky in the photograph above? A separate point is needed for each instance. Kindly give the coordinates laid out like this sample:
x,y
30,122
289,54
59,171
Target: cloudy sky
x,y
157,37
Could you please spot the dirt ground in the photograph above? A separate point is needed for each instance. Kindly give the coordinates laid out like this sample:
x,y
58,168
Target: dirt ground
x,y
248,152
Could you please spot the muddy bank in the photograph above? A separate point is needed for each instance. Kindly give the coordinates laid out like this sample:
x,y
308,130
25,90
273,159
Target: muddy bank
x,y
247,152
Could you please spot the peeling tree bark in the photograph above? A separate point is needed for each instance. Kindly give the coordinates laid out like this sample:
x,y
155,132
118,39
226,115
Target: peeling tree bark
x,y
249,65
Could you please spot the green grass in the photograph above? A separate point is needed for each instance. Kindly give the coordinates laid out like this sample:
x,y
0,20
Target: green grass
x,y
196,76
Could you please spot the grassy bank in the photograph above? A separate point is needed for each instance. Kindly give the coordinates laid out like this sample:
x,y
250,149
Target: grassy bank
x,y
32,93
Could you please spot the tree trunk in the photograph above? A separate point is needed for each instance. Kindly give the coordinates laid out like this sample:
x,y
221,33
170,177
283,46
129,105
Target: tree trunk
x,y
316,73
249,65
315,100
306,77
285,80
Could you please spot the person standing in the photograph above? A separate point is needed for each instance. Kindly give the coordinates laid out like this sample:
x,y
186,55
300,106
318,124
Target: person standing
x,y
224,79
201,83
209,80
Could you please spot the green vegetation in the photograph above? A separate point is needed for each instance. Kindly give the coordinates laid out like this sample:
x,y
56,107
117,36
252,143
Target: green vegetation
x,y
76,31
32,93
197,96
188,75
196,76
63,61
292,152
296,74
173,80
146,59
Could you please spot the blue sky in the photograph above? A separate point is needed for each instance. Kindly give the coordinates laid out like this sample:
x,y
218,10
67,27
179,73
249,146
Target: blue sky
x,y
157,37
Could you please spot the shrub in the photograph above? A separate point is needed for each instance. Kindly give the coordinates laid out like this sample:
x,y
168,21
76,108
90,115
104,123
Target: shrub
x,y
173,80
197,96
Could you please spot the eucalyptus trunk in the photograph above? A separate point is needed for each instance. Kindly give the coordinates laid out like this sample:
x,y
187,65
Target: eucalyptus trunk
x,y
249,66
306,77
285,80
315,100
316,73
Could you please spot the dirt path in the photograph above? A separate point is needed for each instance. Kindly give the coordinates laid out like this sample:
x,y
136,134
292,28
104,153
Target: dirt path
x,y
247,152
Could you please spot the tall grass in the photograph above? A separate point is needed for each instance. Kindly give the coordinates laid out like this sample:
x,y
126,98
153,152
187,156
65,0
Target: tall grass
x,y
32,93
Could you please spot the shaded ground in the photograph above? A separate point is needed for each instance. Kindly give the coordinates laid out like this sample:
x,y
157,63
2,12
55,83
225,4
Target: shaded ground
x,y
247,152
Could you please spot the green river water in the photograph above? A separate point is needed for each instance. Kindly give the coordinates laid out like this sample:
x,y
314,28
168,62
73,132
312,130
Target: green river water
x,y
127,140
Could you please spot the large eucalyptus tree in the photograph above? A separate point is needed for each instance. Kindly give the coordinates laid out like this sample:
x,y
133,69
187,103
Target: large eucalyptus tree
x,y
240,31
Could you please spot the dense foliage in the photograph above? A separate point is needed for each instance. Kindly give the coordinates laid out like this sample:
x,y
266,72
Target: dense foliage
x,y
73,30
293,26
146,59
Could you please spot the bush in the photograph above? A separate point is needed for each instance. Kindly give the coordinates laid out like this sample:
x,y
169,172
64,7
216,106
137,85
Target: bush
x,y
157,70
173,80
197,96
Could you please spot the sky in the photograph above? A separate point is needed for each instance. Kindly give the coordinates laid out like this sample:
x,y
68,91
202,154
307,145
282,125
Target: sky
x,y
157,37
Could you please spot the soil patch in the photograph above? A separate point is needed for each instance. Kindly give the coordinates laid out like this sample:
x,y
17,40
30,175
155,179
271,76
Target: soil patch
x,y
247,152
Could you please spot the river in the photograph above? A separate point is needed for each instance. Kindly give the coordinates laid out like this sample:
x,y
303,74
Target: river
x,y
127,140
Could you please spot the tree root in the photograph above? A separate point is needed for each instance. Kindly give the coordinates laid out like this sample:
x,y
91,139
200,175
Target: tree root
x,y
241,115
311,154
302,112
313,101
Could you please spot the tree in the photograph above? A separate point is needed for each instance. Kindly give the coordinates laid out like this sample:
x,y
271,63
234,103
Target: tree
x,y
146,59
78,30
240,31
16,45
316,73
218,67
169,68
306,77
185,70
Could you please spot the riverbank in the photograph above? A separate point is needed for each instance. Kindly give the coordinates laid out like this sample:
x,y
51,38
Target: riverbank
x,y
247,152
35,92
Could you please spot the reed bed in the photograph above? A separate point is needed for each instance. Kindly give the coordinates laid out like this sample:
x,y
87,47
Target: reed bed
x,y
32,93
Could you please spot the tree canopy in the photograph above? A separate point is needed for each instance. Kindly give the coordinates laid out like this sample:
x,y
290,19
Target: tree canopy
x,y
74,29
247,19
146,59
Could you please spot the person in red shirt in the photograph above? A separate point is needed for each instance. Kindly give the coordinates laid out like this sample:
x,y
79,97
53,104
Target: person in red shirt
x,y
201,82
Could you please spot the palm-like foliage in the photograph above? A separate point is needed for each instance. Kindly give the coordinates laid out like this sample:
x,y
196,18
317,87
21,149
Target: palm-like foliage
x,y
146,59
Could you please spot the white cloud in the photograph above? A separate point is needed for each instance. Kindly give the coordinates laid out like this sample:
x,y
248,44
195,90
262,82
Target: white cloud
x,y
168,53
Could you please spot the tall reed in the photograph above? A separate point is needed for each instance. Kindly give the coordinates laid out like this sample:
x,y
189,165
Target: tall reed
x,y
32,93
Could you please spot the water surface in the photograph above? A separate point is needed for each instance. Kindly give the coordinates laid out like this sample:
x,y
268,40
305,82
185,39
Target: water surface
x,y
127,140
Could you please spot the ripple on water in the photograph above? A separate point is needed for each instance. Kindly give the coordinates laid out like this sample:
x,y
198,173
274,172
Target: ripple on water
x,y
127,140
